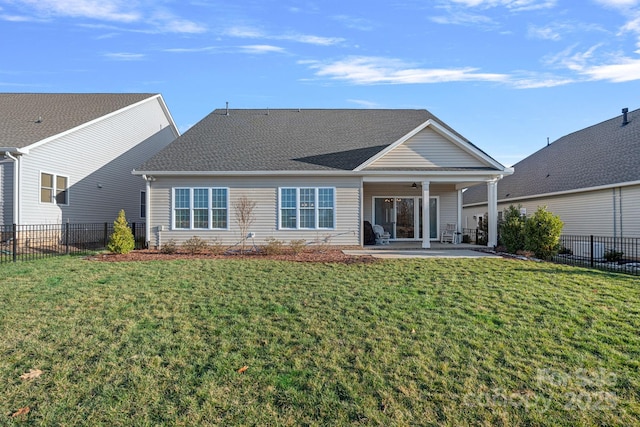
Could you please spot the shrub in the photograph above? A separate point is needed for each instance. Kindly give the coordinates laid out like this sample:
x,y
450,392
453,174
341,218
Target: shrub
x,y
613,255
216,247
542,233
195,245
272,246
121,241
324,243
297,246
512,229
169,247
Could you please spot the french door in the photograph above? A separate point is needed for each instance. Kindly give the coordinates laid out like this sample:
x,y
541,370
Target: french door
x,y
401,217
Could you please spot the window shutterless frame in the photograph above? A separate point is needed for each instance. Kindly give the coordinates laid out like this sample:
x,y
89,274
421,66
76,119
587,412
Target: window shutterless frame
x,y
306,208
54,188
200,208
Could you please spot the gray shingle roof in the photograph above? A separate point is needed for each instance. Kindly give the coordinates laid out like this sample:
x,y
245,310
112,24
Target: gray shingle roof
x,y
287,140
20,113
603,154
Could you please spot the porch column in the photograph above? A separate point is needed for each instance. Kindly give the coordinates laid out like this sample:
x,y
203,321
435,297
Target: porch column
x,y
426,242
459,224
492,213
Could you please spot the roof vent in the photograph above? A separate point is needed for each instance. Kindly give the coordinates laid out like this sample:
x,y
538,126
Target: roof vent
x,y
227,113
625,119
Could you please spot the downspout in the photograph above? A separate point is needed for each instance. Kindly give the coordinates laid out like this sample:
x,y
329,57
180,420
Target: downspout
x,y
147,196
16,187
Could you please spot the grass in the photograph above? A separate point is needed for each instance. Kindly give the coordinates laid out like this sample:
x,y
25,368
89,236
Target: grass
x,y
406,342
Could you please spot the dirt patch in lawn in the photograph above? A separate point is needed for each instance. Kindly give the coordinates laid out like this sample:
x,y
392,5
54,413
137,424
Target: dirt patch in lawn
x,y
327,256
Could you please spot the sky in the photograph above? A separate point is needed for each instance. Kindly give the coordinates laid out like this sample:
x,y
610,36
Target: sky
x,y
506,74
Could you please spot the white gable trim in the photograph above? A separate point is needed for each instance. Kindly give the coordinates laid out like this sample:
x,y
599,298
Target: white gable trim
x,y
465,146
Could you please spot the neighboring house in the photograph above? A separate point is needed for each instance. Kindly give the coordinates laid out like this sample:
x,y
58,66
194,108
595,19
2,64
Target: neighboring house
x,y
314,175
590,178
69,157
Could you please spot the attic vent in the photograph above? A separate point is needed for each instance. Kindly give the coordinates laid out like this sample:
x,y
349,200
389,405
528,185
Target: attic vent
x,y
625,120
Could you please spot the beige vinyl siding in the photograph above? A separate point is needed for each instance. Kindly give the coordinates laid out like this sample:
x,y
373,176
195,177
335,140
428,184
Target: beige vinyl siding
x,y
631,211
427,149
264,192
98,160
586,213
6,192
447,199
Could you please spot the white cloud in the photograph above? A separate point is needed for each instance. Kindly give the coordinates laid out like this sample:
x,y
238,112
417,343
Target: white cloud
x,y
262,48
355,23
255,33
544,33
364,70
364,103
124,56
108,10
169,23
618,4
461,18
625,70
514,5
119,11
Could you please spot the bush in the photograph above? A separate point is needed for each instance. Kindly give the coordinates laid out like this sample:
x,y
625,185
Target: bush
x,y
542,233
613,255
169,247
512,229
297,246
272,246
121,241
216,247
195,245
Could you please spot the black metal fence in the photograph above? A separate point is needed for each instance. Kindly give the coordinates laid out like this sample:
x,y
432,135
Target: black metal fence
x,y
30,242
606,253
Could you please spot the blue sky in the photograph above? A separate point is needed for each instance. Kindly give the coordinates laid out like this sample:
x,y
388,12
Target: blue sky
x,y
507,74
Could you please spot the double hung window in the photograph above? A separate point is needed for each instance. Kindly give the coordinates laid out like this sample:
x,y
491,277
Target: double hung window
x,y
309,208
200,208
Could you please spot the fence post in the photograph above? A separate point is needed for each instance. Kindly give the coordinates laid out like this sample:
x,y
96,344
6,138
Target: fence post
x,y
106,231
15,243
66,237
591,252
133,231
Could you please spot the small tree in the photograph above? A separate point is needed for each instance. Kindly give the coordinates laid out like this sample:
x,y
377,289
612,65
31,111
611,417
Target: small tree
x,y
243,209
542,233
512,229
121,241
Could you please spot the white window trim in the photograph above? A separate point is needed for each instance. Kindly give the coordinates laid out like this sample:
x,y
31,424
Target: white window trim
x,y
316,209
53,195
192,208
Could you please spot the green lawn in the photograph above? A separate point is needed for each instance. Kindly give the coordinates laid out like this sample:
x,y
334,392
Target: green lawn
x,y
406,342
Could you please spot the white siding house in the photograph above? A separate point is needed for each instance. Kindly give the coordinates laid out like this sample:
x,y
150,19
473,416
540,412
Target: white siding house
x,y
69,157
590,178
315,175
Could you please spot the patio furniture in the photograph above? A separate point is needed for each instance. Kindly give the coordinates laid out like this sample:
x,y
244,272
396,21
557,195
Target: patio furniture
x,y
449,234
382,236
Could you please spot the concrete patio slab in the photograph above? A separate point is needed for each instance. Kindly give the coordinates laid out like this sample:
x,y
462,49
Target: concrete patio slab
x,y
425,253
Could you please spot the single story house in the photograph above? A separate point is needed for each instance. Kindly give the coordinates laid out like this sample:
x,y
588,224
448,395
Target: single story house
x,y
314,174
590,178
68,157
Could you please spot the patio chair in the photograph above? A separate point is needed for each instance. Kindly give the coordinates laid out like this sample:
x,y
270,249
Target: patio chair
x,y
382,237
449,234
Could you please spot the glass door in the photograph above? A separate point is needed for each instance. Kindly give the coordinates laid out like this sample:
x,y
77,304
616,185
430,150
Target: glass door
x,y
401,217
405,218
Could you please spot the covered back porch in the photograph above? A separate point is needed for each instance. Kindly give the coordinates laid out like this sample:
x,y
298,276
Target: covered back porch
x,y
397,205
